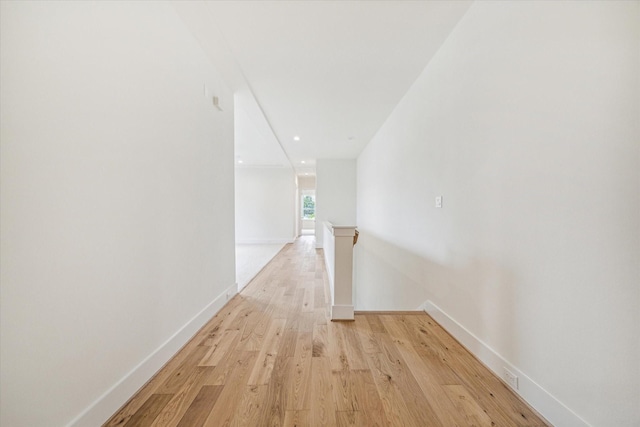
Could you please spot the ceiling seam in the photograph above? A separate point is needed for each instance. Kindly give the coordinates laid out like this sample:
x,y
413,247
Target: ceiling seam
x,y
246,81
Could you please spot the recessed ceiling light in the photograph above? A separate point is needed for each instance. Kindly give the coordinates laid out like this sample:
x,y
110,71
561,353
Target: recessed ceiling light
x,y
306,173
302,162
351,138
239,161
296,138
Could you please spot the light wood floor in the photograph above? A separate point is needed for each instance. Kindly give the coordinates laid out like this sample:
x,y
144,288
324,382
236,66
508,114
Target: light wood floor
x,y
271,358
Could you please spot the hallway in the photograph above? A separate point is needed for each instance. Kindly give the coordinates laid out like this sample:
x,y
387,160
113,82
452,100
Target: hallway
x,y
270,357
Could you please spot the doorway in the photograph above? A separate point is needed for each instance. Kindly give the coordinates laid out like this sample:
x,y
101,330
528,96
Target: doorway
x,y
308,212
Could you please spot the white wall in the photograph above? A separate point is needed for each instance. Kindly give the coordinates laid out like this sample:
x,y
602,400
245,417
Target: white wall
x,y
308,224
526,122
307,182
265,205
116,203
335,194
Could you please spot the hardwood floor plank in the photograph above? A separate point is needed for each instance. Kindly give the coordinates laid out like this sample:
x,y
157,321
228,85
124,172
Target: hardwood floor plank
x,y
174,410
307,321
251,402
300,385
347,419
179,376
354,350
322,411
355,391
256,328
213,330
359,419
467,407
344,398
375,323
222,372
365,334
320,341
402,378
337,347
149,410
224,409
393,403
228,341
320,316
297,418
429,349
307,301
318,294
287,346
364,388
201,406
273,412
295,309
428,381
240,319
266,358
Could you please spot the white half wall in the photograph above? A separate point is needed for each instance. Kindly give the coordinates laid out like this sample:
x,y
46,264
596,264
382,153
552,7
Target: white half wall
x,y
527,123
335,194
116,212
265,205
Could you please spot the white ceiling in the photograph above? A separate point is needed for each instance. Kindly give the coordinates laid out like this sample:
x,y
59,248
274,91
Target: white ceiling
x,y
328,71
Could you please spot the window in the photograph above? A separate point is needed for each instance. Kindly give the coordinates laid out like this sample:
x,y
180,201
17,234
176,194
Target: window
x,y
308,207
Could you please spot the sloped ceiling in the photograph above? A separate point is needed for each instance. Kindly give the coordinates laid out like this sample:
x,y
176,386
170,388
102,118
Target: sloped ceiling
x,y
329,72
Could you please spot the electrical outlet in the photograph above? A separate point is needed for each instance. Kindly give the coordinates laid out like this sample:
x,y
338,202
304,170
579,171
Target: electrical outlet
x,y
438,201
511,378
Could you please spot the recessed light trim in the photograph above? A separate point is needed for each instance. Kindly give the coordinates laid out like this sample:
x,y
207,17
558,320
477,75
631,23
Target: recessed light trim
x,y
296,138
303,162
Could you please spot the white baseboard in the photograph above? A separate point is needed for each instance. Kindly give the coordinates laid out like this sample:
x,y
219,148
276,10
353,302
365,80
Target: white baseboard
x,y
341,312
264,241
113,399
541,400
